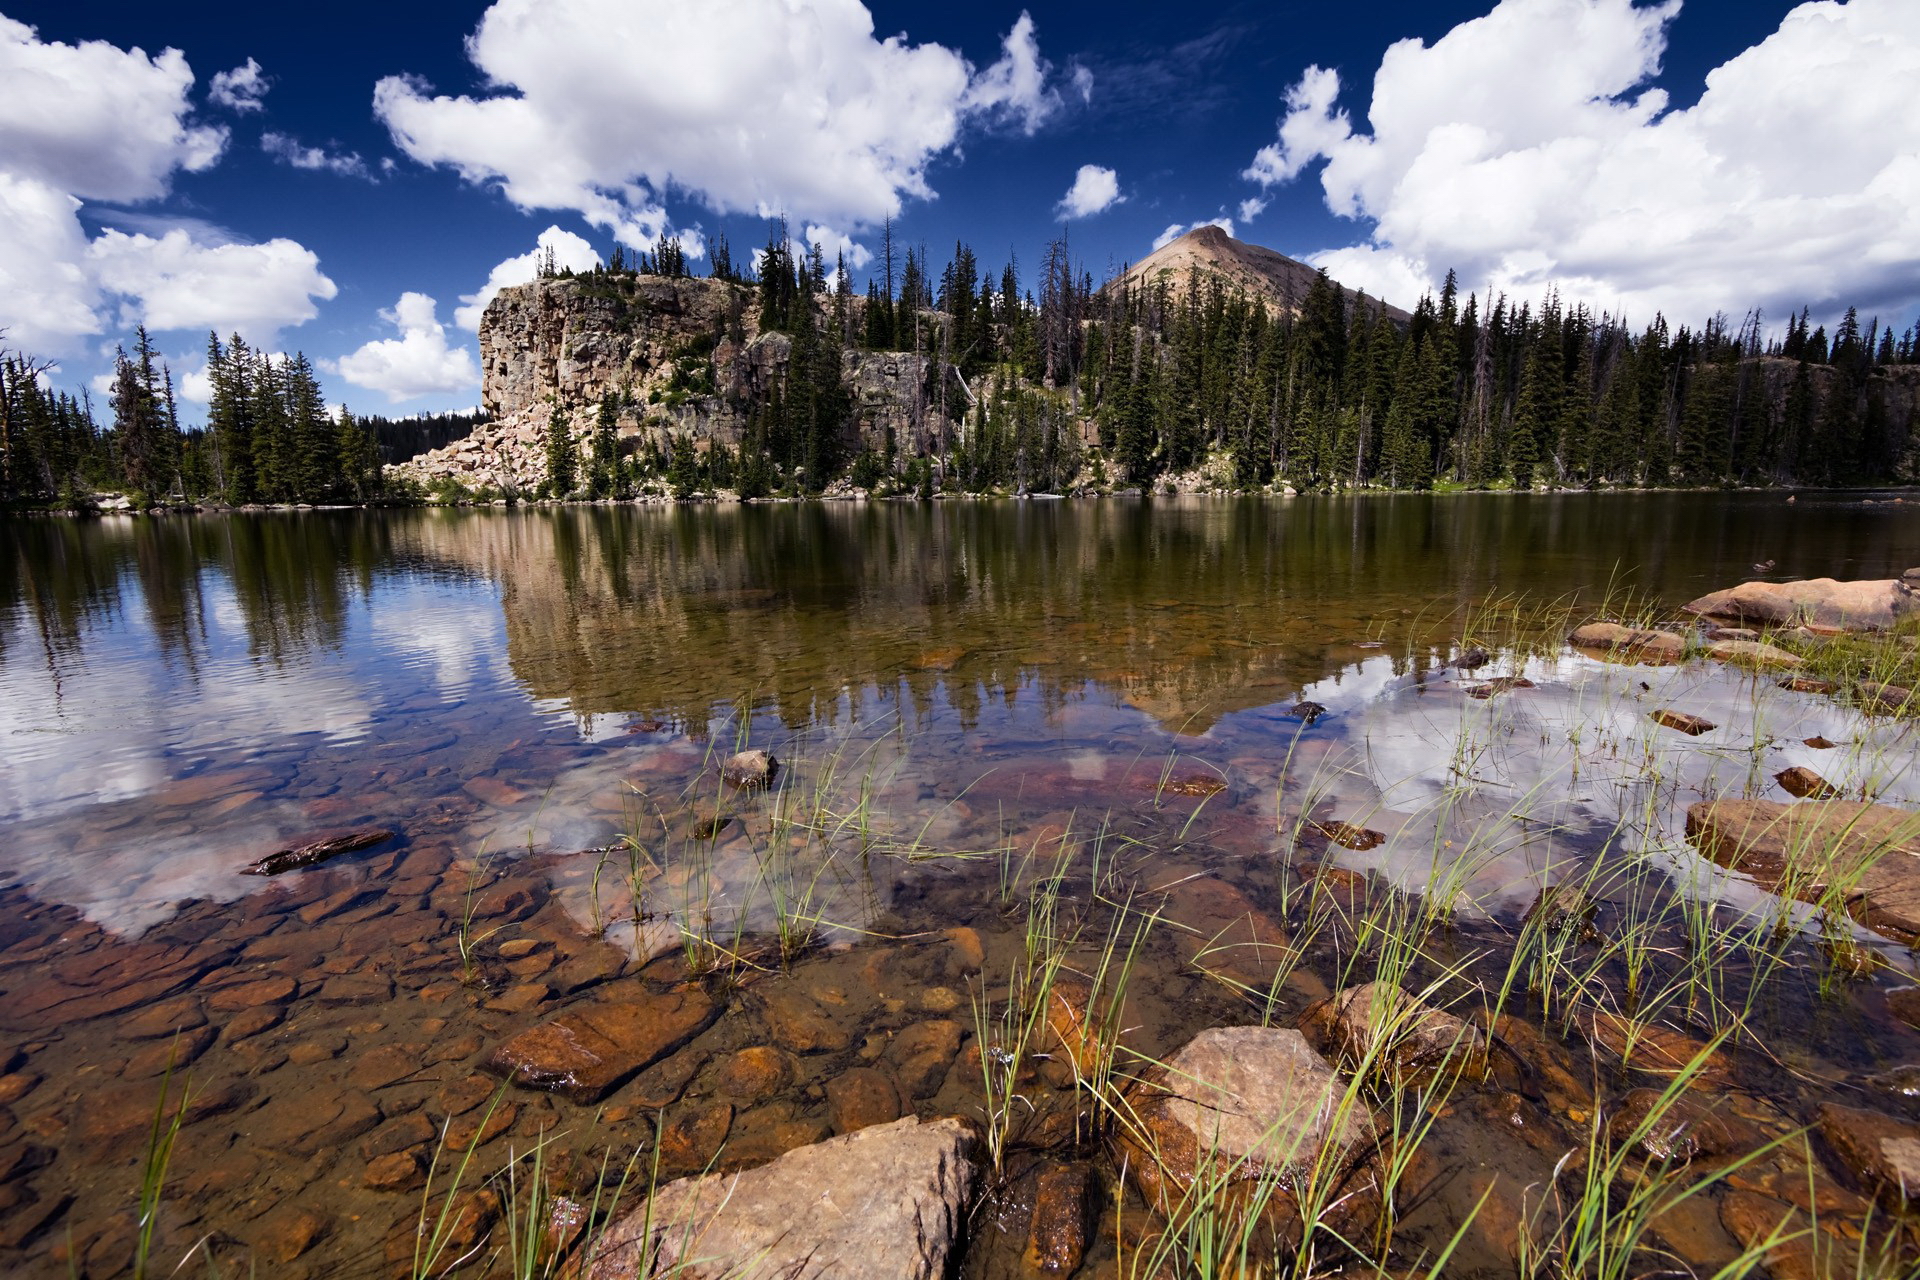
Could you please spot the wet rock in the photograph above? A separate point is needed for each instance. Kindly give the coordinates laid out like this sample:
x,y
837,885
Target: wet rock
x,y
316,850
1071,1034
1564,908
1902,1081
861,1098
1756,654
287,1232
769,1132
165,1019
587,1052
1057,1231
1307,711
798,1021
884,1203
1870,605
251,1022
1631,644
1402,1036
749,770
118,1114
162,1056
388,1064
410,1130
522,997
1691,725
1668,1130
478,1128
754,1074
1867,854
1349,836
1819,743
1883,699
460,1096
1199,786
1879,1151
277,989
969,954
1803,783
1230,936
922,1053
1808,684
1237,1103
1473,659
1656,1050
396,1171
691,1140
1498,685
16,1085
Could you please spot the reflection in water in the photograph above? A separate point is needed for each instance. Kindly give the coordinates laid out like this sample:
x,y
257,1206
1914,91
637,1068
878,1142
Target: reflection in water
x,y
177,694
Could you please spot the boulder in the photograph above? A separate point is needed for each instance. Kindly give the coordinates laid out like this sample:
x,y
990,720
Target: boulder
x,y
1255,1109
884,1203
1404,1036
1618,643
1869,605
1865,857
1756,654
749,770
589,1051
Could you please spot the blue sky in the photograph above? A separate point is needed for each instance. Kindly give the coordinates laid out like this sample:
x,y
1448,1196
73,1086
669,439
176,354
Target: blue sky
x,y
321,204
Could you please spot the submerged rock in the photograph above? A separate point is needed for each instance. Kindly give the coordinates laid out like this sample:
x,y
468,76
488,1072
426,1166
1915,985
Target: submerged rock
x,y
1057,1231
1349,836
1498,685
1870,605
587,1052
1254,1114
1403,1035
318,850
884,1203
1803,783
749,770
1863,857
1881,1152
1630,644
1565,907
1691,725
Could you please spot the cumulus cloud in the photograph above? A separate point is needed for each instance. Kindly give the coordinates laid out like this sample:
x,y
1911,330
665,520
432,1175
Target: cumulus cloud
x,y
1178,229
1527,146
834,243
419,362
1082,80
605,106
92,122
175,283
1094,189
569,251
291,151
1252,207
240,89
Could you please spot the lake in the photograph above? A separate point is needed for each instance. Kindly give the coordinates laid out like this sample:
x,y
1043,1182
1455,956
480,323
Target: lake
x,y
1159,719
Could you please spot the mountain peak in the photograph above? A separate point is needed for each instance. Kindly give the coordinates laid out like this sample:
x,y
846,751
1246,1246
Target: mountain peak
x,y
1266,273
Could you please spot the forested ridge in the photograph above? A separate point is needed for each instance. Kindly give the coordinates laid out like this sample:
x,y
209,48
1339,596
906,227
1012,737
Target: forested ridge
x,y
1055,384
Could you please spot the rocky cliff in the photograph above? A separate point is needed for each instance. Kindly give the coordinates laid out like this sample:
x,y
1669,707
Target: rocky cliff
x,y
679,357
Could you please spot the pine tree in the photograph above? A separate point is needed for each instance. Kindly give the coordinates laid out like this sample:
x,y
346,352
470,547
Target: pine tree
x,y
560,454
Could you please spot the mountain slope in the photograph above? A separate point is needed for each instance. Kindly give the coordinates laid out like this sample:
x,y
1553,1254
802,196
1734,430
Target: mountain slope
x,y
1259,270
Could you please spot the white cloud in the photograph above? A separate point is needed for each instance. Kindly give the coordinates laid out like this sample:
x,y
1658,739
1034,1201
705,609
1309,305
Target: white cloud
x,y
1094,188
175,283
1082,80
1176,230
834,243
419,362
240,89
196,386
292,151
605,106
1252,207
569,250
1525,147
91,122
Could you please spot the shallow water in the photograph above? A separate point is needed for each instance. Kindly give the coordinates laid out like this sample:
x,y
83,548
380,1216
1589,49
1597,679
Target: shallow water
x,y
958,693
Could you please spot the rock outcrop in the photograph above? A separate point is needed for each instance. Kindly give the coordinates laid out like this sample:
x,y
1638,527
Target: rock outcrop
x,y
883,1203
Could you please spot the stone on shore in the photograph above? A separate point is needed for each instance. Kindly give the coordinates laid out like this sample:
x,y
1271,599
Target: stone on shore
x,y
1756,654
1255,1109
1866,854
883,1203
588,1052
1618,643
1869,605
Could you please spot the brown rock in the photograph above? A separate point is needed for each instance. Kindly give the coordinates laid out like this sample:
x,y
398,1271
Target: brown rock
x,y
317,849
1757,654
1691,725
1866,854
478,1128
16,1085
182,1013
861,1098
277,989
1884,699
175,1054
251,1022
1565,907
969,953
691,1140
1398,1034
396,1171
410,1130
1057,1232
1872,605
898,1195
749,770
389,1064
1616,643
922,1053
1230,936
1882,1153
1803,783
287,1232
798,1022
461,1096
1656,1050
587,1052
1808,684
1669,1130
756,1073
1071,1032
1498,685
1349,836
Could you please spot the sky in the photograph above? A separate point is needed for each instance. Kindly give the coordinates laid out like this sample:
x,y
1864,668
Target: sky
x,y
354,181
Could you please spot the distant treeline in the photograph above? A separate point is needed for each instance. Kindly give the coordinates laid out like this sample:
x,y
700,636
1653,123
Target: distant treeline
x,y
1335,392
403,438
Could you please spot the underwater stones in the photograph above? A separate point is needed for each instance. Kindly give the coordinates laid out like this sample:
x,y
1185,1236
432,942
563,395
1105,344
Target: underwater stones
x,y
1057,1230
755,1073
749,770
1307,711
922,1053
1070,1032
860,1098
884,1203
1807,684
1472,660
1656,1050
316,850
1756,654
1498,685
1239,1106
1669,1130
691,1139
1680,721
1868,605
167,1018
1868,854
395,1171
1881,1152
799,1022
1404,1036
175,1054
274,990
1566,908
1804,784
285,1233
1616,643
586,1053
1349,836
